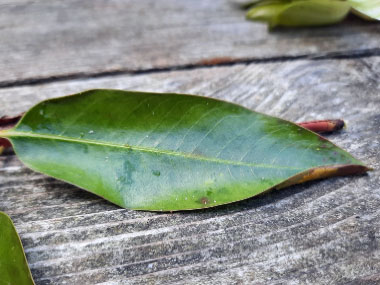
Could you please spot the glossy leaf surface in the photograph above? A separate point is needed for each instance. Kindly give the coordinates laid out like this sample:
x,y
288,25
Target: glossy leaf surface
x,y
13,265
169,151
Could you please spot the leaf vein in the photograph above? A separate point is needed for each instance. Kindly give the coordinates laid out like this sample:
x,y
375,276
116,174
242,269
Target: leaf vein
x,y
147,149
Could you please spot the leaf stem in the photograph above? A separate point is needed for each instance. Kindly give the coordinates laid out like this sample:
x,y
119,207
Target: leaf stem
x,y
3,133
11,133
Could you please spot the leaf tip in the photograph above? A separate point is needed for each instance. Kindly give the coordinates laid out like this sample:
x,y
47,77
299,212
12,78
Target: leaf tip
x,y
325,172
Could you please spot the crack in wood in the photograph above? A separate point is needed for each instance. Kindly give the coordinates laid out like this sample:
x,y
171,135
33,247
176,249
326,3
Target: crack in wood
x,y
206,63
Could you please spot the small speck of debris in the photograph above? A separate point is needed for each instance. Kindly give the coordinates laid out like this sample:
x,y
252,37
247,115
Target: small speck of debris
x,y
91,132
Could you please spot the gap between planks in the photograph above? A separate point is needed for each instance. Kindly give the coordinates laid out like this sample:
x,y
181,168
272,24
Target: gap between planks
x,y
206,63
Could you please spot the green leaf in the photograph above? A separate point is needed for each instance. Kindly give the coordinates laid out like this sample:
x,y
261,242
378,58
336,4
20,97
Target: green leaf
x,y
313,13
169,152
300,13
13,265
267,12
366,8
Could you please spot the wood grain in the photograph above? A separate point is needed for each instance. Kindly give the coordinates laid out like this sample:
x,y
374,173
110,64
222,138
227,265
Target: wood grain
x,y
67,39
324,232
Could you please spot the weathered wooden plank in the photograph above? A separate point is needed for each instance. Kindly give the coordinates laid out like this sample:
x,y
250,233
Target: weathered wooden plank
x,y
318,233
42,39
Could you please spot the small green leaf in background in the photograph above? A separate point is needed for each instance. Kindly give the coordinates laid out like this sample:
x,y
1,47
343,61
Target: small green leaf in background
x,y
312,13
152,151
267,13
366,8
304,13
14,268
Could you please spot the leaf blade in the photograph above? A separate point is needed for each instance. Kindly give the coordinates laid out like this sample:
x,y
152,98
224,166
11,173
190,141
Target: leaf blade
x,y
166,151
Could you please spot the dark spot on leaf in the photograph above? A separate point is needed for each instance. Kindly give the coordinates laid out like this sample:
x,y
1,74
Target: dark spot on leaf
x,y
324,145
124,175
156,172
204,200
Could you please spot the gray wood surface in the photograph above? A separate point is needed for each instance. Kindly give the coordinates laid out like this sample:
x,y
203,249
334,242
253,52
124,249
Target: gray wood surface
x,y
46,40
324,232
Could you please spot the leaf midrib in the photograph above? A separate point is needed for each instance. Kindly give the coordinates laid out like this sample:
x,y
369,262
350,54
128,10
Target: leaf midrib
x,y
10,134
